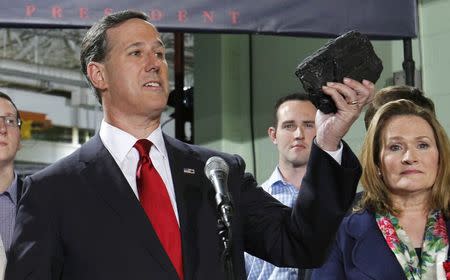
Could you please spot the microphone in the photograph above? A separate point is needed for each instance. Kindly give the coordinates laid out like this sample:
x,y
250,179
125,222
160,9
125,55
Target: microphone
x,y
216,170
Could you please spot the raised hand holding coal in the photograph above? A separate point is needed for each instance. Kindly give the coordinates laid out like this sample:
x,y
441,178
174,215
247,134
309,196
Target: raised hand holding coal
x,y
350,98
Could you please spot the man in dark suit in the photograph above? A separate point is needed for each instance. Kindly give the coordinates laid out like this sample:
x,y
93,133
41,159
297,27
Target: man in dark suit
x,y
86,217
10,183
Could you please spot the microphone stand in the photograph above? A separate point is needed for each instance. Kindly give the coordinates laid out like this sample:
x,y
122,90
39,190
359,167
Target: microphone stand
x,y
224,224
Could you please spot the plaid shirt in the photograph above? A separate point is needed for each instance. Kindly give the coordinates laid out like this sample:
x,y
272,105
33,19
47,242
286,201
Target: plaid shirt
x,y
256,268
8,204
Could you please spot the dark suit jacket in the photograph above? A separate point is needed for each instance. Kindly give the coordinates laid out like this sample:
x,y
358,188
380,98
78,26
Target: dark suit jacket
x,y
361,252
20,189
79,218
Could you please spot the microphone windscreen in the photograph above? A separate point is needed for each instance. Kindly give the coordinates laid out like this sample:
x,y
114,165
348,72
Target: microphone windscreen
x,y
215,163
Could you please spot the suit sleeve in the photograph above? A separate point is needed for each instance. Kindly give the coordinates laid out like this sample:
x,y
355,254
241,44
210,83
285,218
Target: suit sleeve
x,y
301,236
333,268
36,251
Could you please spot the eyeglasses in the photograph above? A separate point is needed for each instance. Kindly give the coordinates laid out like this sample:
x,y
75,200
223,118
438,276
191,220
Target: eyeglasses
x,y
11,121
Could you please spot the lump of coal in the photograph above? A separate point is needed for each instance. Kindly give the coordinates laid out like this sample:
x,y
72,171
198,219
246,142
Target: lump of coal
x,y
350,55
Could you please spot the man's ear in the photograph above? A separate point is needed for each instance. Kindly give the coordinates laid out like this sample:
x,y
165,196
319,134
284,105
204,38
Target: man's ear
x,y
96,74
272,132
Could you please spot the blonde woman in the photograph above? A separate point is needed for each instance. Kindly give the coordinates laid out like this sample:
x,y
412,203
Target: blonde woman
x,y
401,229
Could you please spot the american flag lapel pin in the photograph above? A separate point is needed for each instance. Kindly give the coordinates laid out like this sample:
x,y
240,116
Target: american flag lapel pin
x,y
189,170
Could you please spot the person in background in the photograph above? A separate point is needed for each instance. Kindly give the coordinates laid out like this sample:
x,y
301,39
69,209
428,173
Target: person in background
x,y
10,183
134,203
392,93
401,228
292,132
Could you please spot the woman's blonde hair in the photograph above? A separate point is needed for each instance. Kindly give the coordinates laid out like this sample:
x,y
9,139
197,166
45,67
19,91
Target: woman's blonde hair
x,y
376,193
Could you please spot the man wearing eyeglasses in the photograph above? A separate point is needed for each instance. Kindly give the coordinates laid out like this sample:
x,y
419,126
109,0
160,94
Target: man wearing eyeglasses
x,y
10,184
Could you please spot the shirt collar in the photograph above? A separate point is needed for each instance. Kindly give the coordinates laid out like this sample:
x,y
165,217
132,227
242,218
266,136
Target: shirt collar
x,y
12,190
275,184
156,137
119,143
273,179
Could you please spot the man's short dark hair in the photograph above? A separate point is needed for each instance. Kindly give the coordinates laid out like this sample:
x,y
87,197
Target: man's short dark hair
x,y
94,46
300,96
392,93
5,96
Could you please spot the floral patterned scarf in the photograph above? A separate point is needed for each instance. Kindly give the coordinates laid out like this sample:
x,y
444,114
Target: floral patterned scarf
x,y
434,250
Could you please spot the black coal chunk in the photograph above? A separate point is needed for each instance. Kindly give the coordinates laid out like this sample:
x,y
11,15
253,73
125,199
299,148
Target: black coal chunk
x,y
350,55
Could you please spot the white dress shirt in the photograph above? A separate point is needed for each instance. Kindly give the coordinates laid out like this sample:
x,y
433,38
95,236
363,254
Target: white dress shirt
x,y
337,155
120,145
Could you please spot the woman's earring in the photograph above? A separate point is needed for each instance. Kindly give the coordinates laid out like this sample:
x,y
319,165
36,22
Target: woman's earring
x,y
378,172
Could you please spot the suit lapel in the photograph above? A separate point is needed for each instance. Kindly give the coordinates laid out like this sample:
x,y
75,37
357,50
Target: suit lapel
x,y
20,189
188,179
371,254
104,176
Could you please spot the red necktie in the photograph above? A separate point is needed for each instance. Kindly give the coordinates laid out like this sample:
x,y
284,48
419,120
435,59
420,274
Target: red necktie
x,y
156,203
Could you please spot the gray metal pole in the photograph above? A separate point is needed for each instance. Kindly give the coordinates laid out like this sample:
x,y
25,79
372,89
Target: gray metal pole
x,y
408,62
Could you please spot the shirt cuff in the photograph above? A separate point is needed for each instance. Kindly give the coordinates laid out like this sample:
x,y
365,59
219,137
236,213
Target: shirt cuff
x,y
337,155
